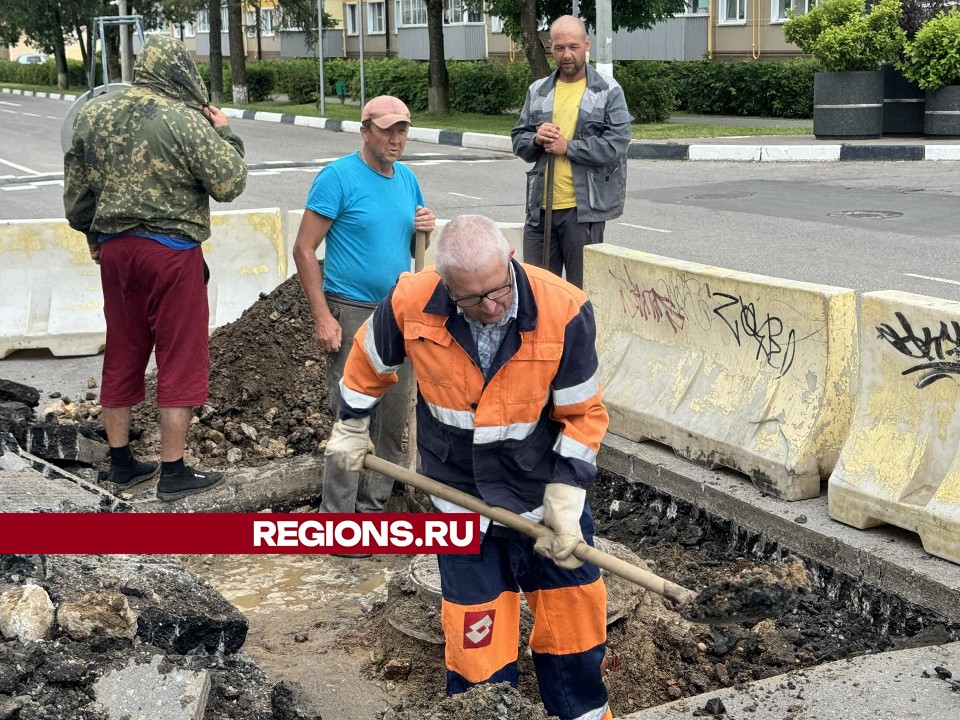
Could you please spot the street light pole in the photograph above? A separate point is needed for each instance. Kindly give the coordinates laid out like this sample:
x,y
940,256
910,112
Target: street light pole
x,y
323,87
363,87
604,38
126,56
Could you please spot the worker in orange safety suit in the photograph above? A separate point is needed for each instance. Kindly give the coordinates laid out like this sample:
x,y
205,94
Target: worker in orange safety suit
x,y
508,410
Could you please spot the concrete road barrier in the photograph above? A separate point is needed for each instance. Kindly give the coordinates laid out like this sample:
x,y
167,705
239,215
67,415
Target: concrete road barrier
x,y
52,296
743,371
901,463
247,256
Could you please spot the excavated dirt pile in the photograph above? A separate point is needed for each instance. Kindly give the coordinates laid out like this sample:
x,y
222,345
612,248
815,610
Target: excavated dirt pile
x,y
268,398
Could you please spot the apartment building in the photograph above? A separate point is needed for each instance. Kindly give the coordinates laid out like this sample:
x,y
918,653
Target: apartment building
x,y
724,29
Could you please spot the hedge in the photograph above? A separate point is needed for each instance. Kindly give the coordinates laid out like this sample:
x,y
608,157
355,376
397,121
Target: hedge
x,y
653,89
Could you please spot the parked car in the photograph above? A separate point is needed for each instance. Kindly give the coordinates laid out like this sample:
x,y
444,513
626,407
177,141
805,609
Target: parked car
x,y
31,58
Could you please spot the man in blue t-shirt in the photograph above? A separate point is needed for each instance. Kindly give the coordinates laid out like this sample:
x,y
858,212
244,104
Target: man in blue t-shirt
x,y
368,206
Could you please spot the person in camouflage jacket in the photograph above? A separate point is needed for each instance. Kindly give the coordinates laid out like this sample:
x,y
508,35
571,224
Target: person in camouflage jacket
x,y
138,178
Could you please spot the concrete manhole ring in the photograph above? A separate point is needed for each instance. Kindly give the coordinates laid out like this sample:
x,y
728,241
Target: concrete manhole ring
x,y
419,617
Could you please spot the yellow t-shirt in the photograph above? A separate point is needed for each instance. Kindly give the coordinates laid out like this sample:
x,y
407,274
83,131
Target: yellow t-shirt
x,y
566,107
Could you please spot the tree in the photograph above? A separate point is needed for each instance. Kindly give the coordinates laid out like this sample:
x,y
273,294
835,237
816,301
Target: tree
x,y
517,23
530,38
438,89
238,65
216,52
47,24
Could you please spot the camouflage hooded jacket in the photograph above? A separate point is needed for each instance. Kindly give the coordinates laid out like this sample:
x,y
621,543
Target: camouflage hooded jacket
x,y
146,159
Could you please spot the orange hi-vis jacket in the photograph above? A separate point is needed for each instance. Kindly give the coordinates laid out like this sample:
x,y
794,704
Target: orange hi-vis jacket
x,y
537,419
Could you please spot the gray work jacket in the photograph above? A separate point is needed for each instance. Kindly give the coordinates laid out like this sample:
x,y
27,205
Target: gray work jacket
x,y
597,151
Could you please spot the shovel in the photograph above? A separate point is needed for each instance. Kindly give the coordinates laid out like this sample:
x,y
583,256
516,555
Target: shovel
x,y
420,249
753,595
548,211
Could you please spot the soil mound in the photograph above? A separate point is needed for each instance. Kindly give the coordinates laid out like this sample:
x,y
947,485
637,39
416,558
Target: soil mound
x,y
268,398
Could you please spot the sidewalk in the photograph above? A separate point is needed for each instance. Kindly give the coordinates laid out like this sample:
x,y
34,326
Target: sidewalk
x,y
763,148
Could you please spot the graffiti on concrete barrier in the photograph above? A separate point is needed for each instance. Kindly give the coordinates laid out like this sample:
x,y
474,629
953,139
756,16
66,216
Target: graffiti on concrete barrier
x,y
938,351
648,303
775,344
690,296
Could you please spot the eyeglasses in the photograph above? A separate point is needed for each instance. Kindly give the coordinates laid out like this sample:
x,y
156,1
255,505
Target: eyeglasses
x,y
495,294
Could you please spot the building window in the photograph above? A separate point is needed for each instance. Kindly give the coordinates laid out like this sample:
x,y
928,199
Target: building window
x,y
733,11
352,21
698,7
266,23
224,20
455,12
288,23
496,24
413,12
778,12
203,21
184,31
375,24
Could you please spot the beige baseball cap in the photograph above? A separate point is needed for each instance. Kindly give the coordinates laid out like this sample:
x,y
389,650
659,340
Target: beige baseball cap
x,y
385,111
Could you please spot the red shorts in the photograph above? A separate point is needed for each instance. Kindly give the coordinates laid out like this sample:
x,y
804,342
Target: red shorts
x,y
154,297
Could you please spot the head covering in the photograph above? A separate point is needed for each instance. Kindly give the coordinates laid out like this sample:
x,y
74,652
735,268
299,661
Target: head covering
x,y
385,111
165,66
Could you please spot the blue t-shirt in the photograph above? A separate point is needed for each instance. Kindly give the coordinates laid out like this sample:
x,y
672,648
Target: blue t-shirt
x,y
368,244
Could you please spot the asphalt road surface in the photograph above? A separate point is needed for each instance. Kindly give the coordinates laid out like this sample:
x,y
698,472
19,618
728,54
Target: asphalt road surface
x,y
866,226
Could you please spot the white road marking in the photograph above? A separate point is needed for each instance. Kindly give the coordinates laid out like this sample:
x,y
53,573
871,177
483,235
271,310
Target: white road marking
x,y
19,167
472,197
15,188
3,102
935,279
644,227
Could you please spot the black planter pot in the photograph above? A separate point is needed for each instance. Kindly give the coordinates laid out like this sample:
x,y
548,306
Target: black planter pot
x,y
848,105
942,114
903,104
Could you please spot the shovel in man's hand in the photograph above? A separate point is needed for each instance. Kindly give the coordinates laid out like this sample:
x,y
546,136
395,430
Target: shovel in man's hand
x,y
754,595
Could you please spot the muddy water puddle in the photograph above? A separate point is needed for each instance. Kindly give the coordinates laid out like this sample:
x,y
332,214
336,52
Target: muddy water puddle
x,y
291,583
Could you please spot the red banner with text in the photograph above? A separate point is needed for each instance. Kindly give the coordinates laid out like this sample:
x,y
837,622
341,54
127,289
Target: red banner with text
x,y
238,533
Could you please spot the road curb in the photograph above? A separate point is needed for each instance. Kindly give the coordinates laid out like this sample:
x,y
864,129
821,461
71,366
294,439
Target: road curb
x,y
638,150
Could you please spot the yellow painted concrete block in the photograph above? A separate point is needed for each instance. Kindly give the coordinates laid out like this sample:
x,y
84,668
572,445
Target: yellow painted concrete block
x,y
247,256
900,464
742,371
51,294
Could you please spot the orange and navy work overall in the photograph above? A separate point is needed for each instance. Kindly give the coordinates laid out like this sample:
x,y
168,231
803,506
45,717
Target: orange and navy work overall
x,y
535,417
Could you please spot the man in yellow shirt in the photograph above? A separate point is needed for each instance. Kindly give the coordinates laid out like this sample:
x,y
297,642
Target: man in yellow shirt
x,y
579,118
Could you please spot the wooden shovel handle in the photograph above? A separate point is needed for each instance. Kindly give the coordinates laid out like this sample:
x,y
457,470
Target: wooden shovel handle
x,y
621,568
420,249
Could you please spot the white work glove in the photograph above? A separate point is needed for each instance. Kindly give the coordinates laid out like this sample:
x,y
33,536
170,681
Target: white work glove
x,y
562,508
349,443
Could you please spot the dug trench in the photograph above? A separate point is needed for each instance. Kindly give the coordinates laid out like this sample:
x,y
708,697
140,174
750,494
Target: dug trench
x,y
354,639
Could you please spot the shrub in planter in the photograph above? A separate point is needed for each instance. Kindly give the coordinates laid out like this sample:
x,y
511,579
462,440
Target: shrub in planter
x,y
842,35
932,58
